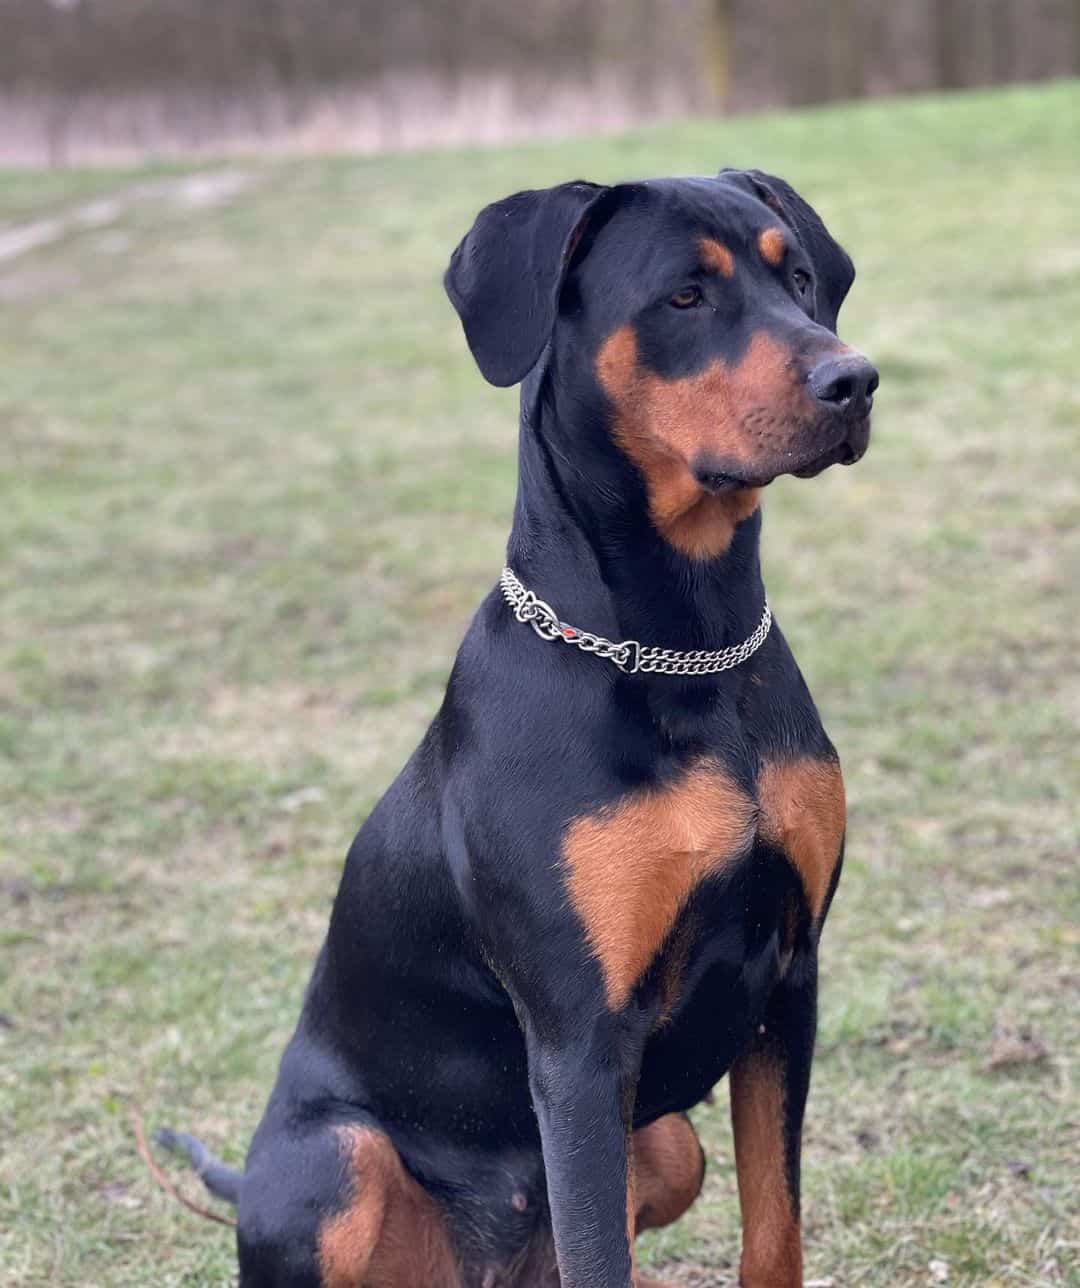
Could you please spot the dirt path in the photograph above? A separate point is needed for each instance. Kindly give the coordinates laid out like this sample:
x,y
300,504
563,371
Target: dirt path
x,y
199,191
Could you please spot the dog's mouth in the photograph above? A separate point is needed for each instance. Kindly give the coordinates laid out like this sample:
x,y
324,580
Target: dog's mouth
x,y
851,448
719,481
846,453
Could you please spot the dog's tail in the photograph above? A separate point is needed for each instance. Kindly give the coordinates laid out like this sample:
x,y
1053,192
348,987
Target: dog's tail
x,y
218,1179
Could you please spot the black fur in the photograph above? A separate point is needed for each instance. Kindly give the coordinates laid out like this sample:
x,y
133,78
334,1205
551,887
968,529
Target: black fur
x,y
219,1180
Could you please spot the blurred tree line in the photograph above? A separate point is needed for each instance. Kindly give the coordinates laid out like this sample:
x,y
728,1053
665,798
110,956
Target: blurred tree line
x,y
175,72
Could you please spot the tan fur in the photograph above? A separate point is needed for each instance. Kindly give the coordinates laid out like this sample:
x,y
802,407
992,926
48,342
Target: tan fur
x,y
772,1245
772,245
669,1170
742,415
803,812
631,866
675,959
631,1201
392,1232
715,255
665,1168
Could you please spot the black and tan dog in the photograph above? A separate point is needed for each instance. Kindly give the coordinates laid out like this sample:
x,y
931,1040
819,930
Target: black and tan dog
x,y
599,882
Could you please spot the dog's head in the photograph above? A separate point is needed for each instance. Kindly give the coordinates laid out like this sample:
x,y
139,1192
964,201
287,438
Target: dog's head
x,y
702,314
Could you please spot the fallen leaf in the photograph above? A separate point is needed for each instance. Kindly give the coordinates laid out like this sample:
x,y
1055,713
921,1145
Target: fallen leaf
x,y
992,898
1012,1046
293,801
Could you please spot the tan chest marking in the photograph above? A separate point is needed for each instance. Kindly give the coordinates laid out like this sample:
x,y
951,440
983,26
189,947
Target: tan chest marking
x,y
631,867
803,812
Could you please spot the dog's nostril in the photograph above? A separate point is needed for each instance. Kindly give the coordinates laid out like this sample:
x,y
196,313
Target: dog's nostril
x,y
872,385
839,392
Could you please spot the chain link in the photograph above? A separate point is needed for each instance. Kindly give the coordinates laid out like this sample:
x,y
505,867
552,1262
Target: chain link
x,y
629,656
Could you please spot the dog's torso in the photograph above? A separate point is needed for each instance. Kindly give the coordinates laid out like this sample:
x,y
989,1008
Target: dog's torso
x,y
562,833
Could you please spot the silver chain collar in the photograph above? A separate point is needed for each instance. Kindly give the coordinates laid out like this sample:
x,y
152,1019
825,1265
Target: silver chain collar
x,y
629,656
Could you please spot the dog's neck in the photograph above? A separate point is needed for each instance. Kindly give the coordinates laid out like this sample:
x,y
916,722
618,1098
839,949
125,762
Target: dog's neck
x,y
582,540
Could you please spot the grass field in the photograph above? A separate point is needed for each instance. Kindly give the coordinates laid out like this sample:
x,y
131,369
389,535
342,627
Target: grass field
x,y
252,488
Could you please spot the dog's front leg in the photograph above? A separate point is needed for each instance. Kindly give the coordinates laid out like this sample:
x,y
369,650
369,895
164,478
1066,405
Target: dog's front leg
x,y
583,1092
769,1084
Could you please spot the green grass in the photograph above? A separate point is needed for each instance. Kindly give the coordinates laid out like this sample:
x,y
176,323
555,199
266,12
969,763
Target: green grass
x,y
252,488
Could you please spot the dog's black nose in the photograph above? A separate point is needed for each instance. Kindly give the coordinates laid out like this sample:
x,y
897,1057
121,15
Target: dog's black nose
x,y
846,382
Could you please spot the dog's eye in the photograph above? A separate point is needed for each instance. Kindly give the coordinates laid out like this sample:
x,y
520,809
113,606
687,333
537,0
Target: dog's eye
x,y
802,282
688,298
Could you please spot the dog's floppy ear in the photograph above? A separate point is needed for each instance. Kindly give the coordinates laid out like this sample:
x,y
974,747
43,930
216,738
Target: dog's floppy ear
x,y
833,268
505,276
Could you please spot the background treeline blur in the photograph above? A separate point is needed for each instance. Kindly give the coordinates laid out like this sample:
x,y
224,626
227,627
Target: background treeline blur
x,y
93,78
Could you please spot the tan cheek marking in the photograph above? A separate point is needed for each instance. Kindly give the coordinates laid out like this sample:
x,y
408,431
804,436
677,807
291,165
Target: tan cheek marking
x,y
741,414
630,867
392,1232
803,811
669,1168
715,255
771,246
772,1245
616,364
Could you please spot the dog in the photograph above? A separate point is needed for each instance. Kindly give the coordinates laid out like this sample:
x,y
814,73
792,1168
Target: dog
x,y
598,884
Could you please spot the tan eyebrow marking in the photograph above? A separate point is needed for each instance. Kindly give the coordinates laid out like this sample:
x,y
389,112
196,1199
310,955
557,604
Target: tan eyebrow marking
x,y
715,255
771,245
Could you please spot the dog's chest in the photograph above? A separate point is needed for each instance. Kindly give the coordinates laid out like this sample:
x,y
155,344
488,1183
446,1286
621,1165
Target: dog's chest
x,y
632,867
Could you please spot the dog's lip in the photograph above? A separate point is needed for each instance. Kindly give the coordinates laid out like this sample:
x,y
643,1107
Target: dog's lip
x,y
719,481
851,448
847,452
842,454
